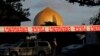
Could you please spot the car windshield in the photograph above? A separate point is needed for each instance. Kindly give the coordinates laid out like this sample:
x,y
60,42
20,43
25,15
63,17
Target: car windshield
x,y
18,43
6,44
24,44
74,46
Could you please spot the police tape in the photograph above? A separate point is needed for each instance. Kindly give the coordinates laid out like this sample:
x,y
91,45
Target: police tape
x,y
75,28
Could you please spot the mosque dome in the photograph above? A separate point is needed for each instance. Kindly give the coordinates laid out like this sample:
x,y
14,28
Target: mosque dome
x,y
48,15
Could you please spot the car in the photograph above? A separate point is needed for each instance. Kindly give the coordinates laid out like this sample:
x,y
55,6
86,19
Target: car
x,y
81,50
71,49
29,47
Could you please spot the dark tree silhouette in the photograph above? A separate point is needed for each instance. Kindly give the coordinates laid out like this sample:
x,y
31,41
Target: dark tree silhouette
x,y
96,19
12,14
15,5
86,2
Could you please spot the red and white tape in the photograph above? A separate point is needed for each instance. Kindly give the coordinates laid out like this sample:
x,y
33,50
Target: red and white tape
x,y
75,28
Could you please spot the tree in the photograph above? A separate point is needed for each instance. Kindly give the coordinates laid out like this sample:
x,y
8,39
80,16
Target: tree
x,y
12,10
14,4
96,19
11,14
86,2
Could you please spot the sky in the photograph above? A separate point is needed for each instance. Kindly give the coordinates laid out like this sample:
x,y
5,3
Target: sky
x,y
72,14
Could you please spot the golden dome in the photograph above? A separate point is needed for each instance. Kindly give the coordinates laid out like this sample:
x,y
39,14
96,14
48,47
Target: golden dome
x,y
48,15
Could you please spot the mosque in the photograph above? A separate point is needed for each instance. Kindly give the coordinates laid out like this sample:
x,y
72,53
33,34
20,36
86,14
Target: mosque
x,y
49,15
